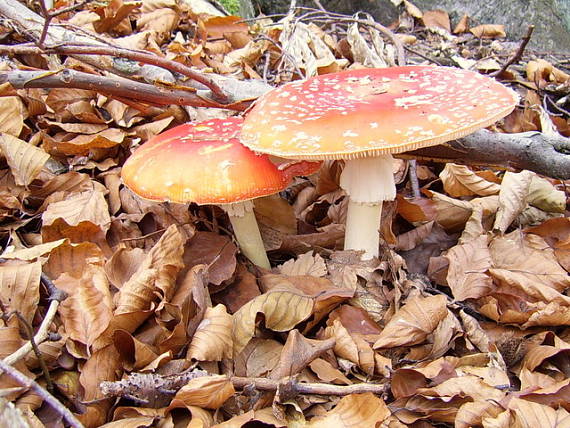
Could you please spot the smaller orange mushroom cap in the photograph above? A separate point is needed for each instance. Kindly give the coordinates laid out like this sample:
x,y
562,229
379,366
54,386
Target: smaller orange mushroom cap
x,y
205,163
374,111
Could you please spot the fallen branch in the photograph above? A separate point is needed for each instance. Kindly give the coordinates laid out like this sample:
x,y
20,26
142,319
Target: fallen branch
x,y
35,26
154,390
114,86
535,151
46,396
298,388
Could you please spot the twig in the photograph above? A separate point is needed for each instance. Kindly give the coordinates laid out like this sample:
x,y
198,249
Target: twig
x,y
48,16
139,56
264,384
46,396
56,296
30,336
114,86
518,54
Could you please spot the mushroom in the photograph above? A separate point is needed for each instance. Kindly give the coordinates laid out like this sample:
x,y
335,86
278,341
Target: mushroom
x,y
205,163
366,115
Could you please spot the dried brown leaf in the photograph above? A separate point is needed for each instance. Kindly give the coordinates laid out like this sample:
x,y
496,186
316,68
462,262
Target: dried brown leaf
x,y
437,19
212,340
462,25
25,160
355,410
529,414
19,287
87,311
512,198
351,347
12,115
156,274
451,214
305,264
542,194
489,31
283,310
72,259
411,325
460,180
208,392
82,144
467,273
89,206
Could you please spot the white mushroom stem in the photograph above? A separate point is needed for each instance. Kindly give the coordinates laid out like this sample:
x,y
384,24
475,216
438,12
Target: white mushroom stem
x,y
368,182
247,232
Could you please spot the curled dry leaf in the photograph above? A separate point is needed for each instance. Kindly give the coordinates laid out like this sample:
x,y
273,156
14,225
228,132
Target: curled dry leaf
x,y
527,263
25,160
351,347
556,232
451,214
411,325
134,353
305,264
355,410
208,392
467,273
89,206
529,414
258,358
157,273
462,25
82,144
412,9
20,287
212,340
460,180
283,310
489,31
34,252
437,19
361,51
542,194
541,72
12,115
87,311
72,259
512,198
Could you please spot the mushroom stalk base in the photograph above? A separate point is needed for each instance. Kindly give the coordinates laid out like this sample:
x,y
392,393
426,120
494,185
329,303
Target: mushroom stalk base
x,y
247,232
362,222
368,182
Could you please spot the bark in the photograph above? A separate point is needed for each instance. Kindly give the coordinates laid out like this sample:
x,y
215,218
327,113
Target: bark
x,y
547,155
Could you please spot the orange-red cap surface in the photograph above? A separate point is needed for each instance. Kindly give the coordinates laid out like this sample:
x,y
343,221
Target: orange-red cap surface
x,y
204,163
368,112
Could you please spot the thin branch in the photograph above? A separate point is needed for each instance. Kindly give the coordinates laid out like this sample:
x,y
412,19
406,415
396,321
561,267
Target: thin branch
x,y
139,56
46,396
264,384
30,336
518,54
114,86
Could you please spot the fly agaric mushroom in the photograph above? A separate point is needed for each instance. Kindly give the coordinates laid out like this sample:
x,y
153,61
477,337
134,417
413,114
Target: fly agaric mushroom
x,y
365,115
205,163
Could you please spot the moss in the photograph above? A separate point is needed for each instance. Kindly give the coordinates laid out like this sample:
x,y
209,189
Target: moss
x,y
232,6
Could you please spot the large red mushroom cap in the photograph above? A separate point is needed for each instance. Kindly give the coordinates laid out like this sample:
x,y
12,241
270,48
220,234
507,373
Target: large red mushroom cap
x,y
205,163
369,112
